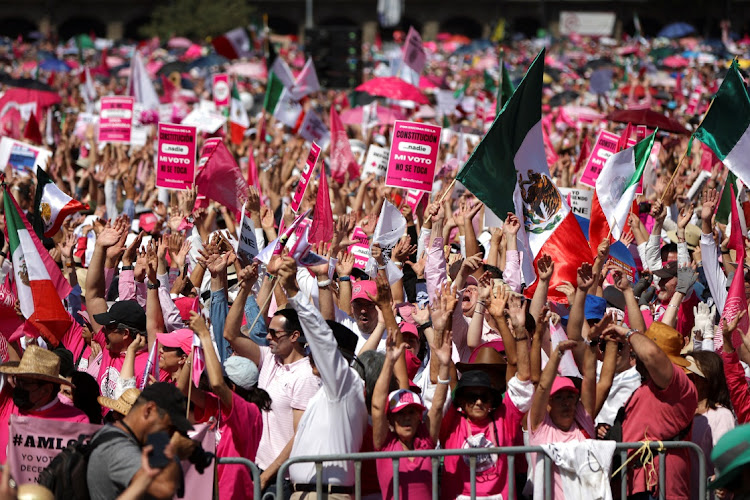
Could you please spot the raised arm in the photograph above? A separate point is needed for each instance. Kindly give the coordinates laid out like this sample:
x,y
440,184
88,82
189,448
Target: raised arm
x,y
213,366
240,344
517,309
394,353
545,267
659,367
474,334
441,348
96,302
540,399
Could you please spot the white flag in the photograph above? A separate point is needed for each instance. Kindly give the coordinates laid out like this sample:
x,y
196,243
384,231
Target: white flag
x,y
140,85
307,81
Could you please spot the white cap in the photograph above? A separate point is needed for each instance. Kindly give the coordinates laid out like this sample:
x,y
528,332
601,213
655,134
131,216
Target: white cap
x,y
241,371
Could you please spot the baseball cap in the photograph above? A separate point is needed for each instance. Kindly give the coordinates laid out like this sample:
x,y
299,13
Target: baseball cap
x,y
408,328
362,288
169,398
730,455
127,312
668,270
562,384
402,399
182,338
241,371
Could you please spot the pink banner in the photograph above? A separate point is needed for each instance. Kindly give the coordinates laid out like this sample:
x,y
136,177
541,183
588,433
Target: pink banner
x,y
312,160
361,249
413,198
221,91
209,145
201,485
641,132
116,119
175,160
34,442
605,146
414,151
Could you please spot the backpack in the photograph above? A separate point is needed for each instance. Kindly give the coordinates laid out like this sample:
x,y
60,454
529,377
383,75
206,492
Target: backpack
x,y
65,476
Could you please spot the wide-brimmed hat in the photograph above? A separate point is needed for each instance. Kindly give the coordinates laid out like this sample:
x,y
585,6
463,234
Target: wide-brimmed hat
x,y
670,341
730,455
476,378
123,404
485,356
37,363
692,236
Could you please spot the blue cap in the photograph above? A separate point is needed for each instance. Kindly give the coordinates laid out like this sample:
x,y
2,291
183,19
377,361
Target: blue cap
x,y
594,308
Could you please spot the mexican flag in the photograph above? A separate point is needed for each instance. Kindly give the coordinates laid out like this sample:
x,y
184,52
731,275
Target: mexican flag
x,y
508,172
51,206
238,120
615,191
39,284
274,88
505,89
726,127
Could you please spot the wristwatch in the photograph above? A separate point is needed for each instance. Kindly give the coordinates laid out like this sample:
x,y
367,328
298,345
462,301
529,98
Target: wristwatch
x,y
152,286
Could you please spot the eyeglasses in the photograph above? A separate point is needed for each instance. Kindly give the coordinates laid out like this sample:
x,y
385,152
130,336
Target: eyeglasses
x,y
275,333
472,396
603,345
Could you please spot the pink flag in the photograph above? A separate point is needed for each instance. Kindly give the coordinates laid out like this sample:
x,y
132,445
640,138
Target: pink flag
x,y
221,180
252,169
199,362
623,142
414,55
736,300
322,223
341,157
306,82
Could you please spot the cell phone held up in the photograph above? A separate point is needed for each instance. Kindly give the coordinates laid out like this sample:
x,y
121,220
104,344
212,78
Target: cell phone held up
x,y
157,459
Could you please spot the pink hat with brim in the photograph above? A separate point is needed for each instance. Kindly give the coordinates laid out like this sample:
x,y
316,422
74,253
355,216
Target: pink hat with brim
x,y
403,398
408,328
362,288
182,338
563,384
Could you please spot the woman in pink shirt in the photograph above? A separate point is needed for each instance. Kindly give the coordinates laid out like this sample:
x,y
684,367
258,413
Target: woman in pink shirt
x,y
558,414
237,403
397,418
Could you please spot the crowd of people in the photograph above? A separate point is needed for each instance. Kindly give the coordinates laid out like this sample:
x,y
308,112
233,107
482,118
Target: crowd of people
x,y
436,343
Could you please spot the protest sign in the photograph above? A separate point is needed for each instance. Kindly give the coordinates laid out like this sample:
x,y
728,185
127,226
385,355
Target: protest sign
x,y
579,200
314,129
175,159
204,120
116,119
312,160
605,146
83,120
34,442
361,249
22,157
247,247
587,23
376,161
413,198
221,91
413,156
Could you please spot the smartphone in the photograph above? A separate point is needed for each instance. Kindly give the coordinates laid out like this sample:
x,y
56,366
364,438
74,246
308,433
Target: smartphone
x,y
157,459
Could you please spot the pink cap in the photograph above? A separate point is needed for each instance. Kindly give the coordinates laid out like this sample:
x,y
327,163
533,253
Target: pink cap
x,y
408,328
147,222
362,288
471,280
182,338
404,398
562,384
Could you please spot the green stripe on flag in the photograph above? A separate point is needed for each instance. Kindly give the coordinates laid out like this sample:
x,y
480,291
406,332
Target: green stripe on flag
x,y
725,205
505,89
641,152
273,92
490,173
13,222
728,117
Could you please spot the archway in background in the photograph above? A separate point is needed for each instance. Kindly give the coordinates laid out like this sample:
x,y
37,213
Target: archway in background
x,y
462,26
81,26
14,26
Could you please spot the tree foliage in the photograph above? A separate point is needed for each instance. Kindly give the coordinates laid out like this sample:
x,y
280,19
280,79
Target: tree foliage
x,y
197,18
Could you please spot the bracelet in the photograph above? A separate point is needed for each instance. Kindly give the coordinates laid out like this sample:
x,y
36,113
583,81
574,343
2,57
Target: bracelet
x,y
427,324
345,278
324,283
152,286
3,255
481,302
270,276
672,305
518,339
725,252
630,333
127,268
443,382
397,263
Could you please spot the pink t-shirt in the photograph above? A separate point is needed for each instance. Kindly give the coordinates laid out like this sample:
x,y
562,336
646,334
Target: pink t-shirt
x,y
109,370
662,415
458,432
54,411
415,475
548,432
240,428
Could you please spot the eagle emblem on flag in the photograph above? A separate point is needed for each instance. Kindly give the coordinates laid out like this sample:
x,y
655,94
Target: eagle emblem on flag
x,y
542,202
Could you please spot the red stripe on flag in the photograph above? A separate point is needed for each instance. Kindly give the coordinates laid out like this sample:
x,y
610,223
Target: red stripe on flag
x,y
50,317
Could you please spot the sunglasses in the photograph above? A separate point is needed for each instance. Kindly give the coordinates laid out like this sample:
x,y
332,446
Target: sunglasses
x,y
603,345
275,333
472,396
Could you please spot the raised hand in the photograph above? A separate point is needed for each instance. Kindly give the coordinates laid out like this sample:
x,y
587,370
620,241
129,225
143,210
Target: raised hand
x,y
659,211
710,201
288,275
585,277
517,313
324,250
442,308
545,267
383,298
621,280
568,289
248,275
131,253
496,306
471,264
485,286
394,351
685,215
344,264
511,226
403,249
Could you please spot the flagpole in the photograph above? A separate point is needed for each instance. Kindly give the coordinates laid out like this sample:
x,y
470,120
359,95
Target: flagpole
x,y
190,390
674,174
265,304
450,186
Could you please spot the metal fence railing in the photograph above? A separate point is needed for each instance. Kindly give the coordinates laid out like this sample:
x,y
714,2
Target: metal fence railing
x,y
659,449
254,471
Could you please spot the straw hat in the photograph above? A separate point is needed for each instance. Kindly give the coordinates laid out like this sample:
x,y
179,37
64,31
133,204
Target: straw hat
x,y
31,491
123,404
37,363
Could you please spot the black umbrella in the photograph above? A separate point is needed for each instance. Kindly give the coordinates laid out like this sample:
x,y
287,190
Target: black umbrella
x,y
563,98
26,83
171,67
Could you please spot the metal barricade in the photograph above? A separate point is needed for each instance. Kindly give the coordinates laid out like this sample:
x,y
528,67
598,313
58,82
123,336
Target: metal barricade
x,y
254,471
510,451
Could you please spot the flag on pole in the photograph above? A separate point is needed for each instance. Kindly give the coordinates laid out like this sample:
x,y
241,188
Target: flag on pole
x,y
726,127
341,157
221,180
87,90
233,44
736,300
505,89
277,65
51,206
31,132
238,120
152,365
508,172
724,211
625,137
199,362
413,51
322,223
615,191
140,85
39,283
461,92
307,81
274,88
